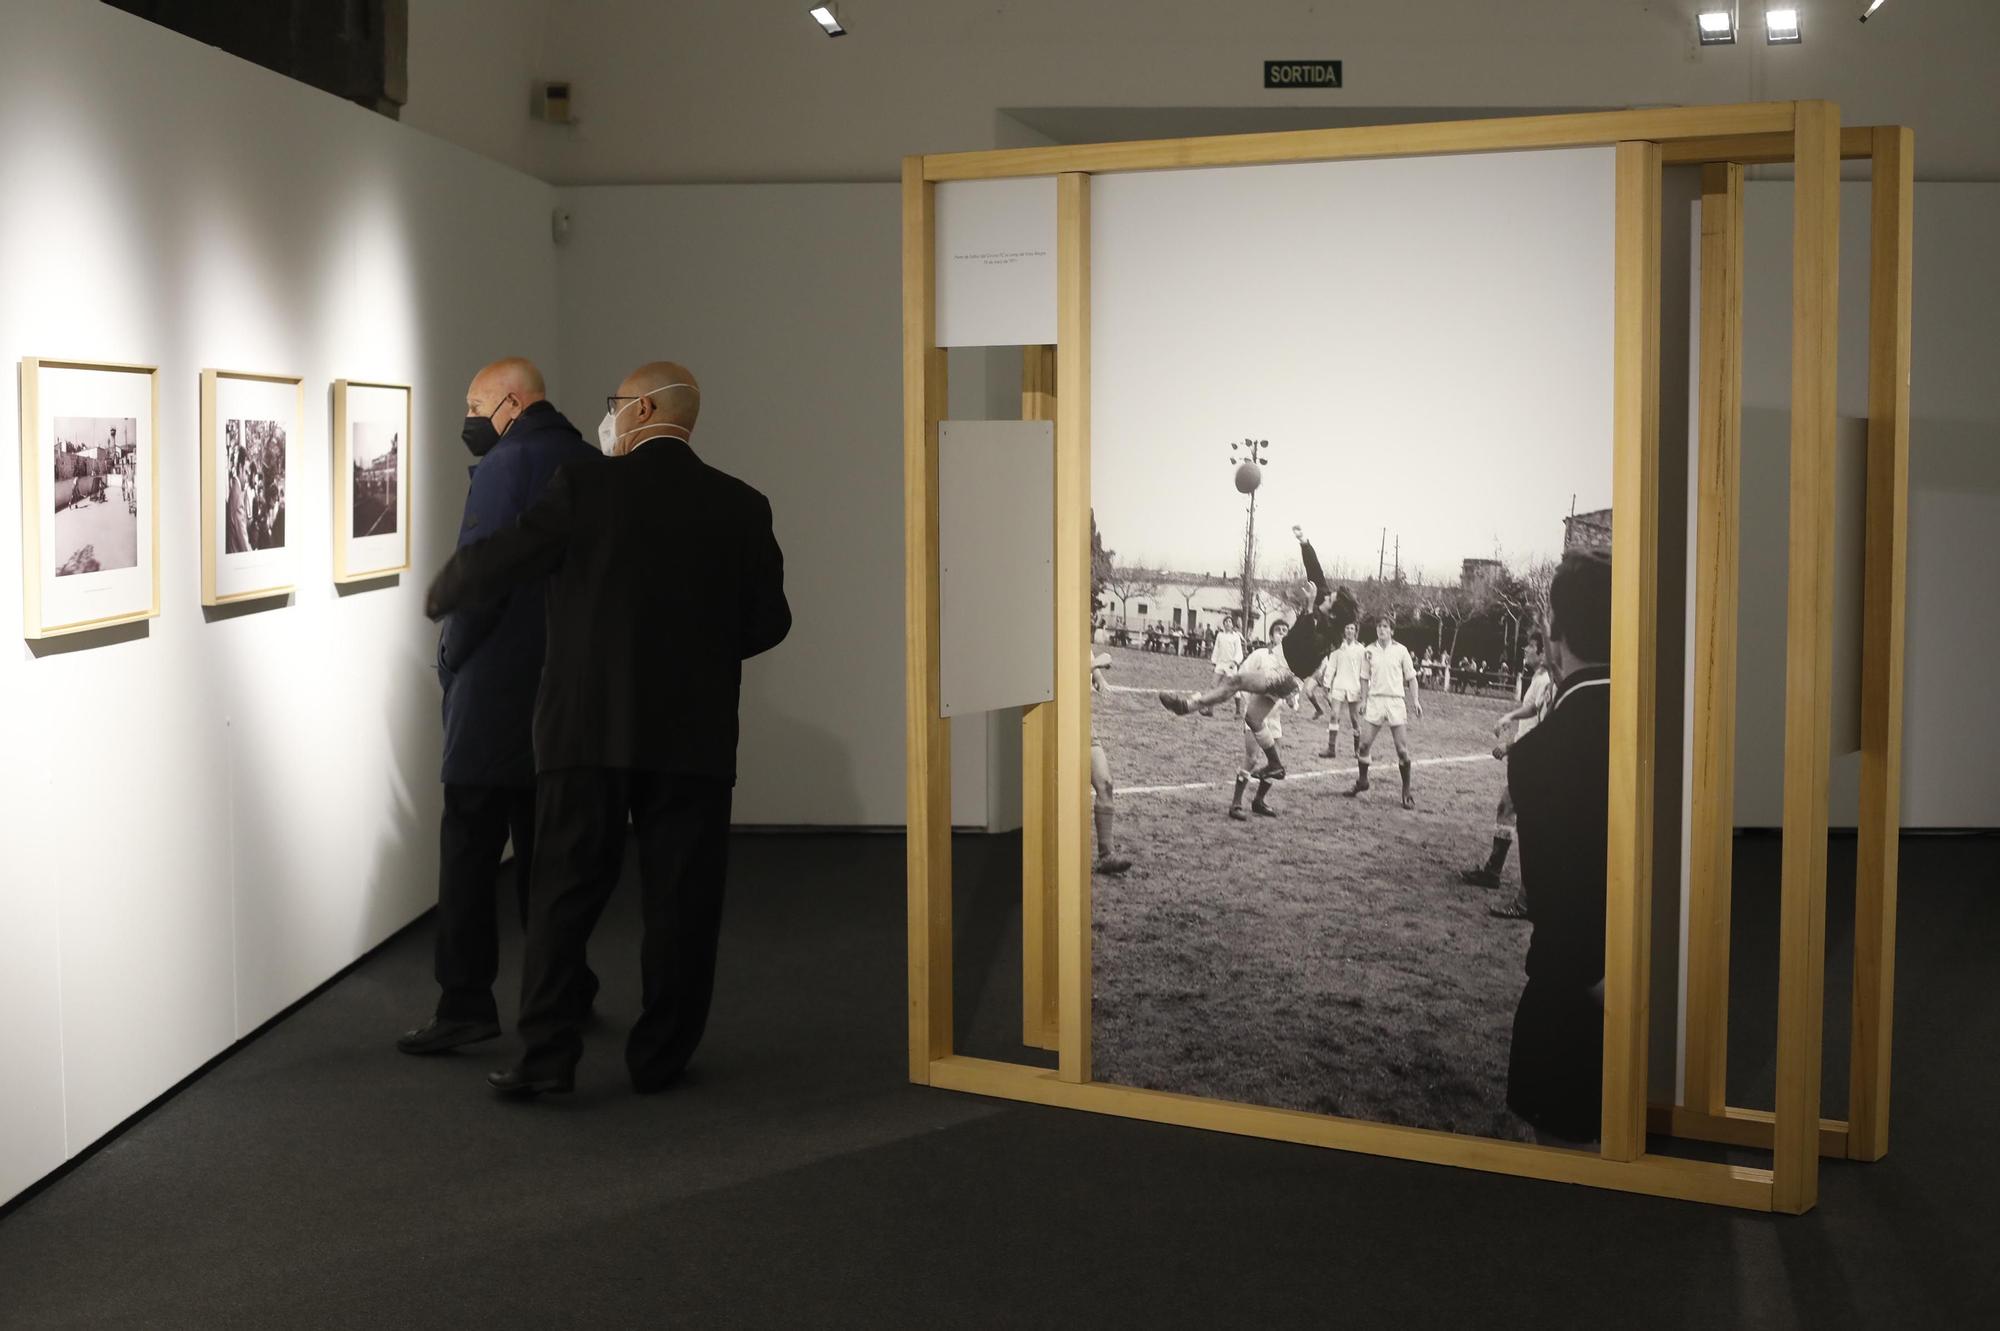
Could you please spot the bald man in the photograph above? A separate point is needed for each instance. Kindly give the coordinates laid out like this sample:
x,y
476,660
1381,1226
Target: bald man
x,y
490,661
636,719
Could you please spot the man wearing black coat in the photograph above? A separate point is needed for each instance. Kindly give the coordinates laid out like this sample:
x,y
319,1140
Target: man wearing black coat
x,y
489,662
1559,779
637,716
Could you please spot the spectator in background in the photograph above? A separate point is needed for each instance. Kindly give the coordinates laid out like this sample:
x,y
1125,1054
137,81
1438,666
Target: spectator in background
x,y
1558,778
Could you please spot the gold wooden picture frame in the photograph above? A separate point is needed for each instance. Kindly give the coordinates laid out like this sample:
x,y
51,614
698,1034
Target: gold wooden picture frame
x,y
45,613
1056,736
215,518
346,566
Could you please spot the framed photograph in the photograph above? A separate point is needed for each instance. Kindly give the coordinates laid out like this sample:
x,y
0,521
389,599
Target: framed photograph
x,y
250,427
371,480
89,495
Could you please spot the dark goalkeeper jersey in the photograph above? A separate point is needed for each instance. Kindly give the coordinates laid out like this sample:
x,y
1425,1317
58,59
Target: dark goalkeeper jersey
x,y
1318,631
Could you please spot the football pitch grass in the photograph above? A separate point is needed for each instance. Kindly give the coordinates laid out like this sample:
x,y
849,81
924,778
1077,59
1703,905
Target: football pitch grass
x,y
1328,959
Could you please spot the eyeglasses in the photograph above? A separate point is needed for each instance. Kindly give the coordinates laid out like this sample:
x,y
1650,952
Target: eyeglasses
x,y
612,400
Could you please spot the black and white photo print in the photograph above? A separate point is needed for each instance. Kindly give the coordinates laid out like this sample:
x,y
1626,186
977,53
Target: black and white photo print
x,y
1346,420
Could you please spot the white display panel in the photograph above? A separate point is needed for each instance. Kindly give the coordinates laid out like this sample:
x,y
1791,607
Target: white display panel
x,y
996,547
996,262
217,810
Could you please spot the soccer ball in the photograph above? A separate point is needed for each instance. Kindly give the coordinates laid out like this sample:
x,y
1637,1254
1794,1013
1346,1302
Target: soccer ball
x,y
1248,477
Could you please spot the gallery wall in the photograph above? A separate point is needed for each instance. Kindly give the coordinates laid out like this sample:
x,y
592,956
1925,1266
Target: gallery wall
x,y
209,814
1954,560
786,302
720,90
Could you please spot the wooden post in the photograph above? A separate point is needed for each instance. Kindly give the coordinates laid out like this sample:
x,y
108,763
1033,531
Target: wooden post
x,y
1635,488
1712,816
1882,642
1073,622
1808,646
928,834
1039,872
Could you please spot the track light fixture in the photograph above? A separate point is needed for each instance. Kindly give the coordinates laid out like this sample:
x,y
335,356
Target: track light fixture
x,y
1781,27
828,20
1716,27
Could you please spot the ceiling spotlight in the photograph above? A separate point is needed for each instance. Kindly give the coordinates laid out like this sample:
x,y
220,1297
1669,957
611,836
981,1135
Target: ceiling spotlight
x,y
1781,27
1873,5
1716,27
828,20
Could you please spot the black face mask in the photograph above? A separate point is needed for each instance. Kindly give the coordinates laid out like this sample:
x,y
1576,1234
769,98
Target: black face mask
x,y
479,434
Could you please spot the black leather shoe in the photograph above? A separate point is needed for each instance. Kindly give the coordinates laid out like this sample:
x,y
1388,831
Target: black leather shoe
x,y
516,1083
441,1036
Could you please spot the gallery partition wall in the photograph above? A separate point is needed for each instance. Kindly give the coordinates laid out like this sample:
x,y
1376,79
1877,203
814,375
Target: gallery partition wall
x,y
973,273
221,783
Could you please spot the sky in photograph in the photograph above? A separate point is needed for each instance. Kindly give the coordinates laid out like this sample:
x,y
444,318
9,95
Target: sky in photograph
x,y
1426,343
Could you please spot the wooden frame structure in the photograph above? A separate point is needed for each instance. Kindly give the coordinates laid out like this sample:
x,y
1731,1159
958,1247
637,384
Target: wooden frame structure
x,y
1056,835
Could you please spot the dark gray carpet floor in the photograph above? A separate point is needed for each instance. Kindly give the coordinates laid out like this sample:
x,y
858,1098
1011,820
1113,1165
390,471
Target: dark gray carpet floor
x,y
317,1178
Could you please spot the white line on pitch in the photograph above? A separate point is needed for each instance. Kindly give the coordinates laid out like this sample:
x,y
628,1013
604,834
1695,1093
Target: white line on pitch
x,y
1298,776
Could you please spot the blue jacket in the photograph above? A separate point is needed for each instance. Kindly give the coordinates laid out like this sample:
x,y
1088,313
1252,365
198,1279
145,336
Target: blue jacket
x,y
490,656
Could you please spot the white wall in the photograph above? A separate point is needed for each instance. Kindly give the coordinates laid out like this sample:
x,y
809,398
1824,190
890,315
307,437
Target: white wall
x,y
723,90
786,303
1949,703
208,815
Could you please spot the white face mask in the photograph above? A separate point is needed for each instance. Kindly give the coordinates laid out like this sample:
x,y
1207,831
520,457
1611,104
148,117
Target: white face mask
x,y
608,433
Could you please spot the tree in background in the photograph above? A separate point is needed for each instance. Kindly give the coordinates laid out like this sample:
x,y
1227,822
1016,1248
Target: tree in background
x,y
1127,583
1100,569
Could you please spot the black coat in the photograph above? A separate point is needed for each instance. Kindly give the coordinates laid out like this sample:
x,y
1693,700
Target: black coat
x,y
664,577
1559,778
490,656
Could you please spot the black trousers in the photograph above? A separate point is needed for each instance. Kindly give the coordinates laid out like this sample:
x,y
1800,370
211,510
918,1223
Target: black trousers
x,y
682,827
477,822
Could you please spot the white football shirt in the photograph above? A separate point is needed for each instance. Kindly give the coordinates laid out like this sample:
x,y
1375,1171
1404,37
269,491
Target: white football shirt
x,y
1388,669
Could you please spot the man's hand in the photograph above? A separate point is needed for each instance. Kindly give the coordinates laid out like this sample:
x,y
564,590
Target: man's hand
x,y
1299,535
1499,750
1499,727
1418,708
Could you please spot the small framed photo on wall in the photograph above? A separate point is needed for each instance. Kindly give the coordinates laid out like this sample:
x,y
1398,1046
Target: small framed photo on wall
x,y
250,429
371,480
89,495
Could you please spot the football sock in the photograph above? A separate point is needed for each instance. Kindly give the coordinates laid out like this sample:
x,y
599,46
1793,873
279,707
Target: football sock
x,y
1242,780
1498,859
1364,774
1263,789
1106,848
1271,758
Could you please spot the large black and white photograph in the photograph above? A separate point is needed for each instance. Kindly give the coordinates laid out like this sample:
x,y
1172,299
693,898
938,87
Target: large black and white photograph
x,y
254,509
94,495
373,459
1351,476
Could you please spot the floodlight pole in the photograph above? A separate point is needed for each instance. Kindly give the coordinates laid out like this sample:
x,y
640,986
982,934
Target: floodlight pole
x,y
1255,456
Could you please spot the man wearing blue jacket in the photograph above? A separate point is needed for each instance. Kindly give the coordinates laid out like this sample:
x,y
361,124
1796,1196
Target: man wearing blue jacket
x,y
490,663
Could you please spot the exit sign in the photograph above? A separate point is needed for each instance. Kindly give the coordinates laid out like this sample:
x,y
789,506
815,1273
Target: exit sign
x,y
1302,73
